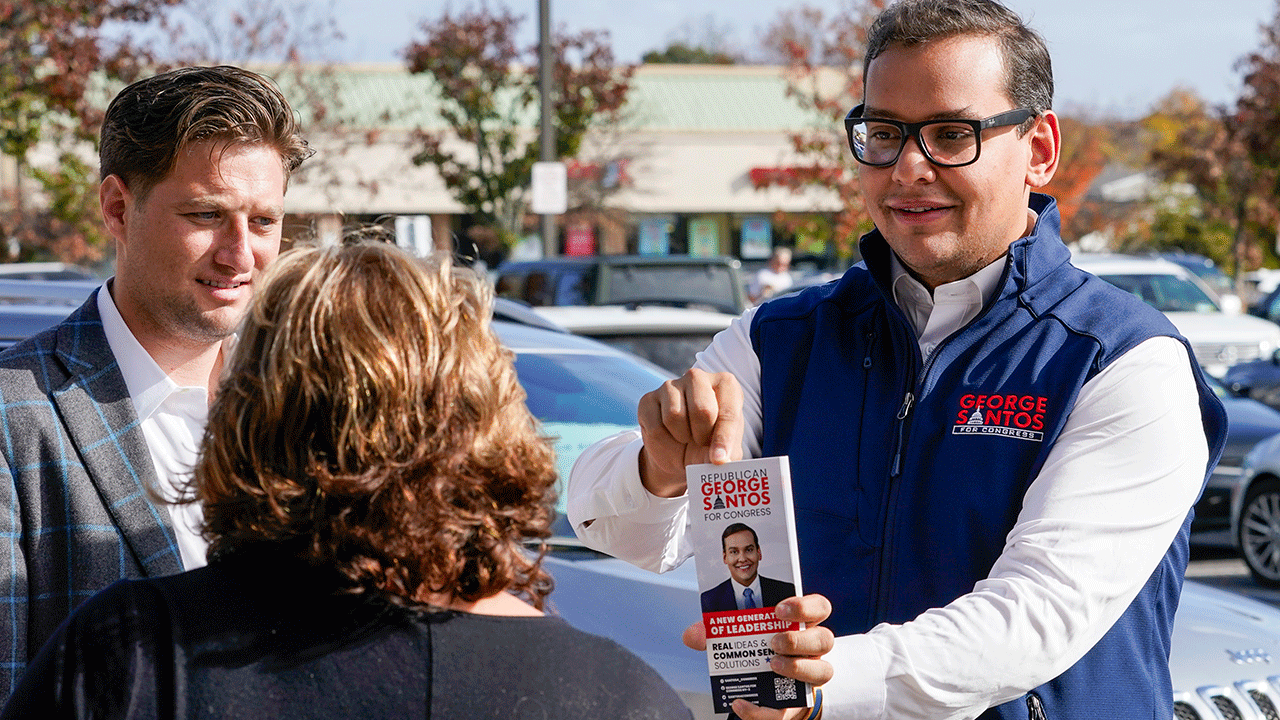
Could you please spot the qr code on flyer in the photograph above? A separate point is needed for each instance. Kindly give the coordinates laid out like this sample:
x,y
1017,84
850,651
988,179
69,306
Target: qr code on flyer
x,y
784,688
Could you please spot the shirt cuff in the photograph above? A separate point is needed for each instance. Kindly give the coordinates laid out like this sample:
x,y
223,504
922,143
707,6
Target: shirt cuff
x,y
641,505
857,690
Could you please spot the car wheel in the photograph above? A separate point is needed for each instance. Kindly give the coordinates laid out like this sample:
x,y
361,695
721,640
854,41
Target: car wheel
x,y
1259,532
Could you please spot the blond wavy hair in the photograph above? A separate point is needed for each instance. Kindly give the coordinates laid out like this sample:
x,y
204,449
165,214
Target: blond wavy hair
x,y
371,422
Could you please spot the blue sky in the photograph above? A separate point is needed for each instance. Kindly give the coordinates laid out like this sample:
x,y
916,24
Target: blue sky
x,y
1111,57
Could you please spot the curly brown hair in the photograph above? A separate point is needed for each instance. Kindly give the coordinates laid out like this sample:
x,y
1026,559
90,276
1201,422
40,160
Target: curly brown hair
x,y
370,419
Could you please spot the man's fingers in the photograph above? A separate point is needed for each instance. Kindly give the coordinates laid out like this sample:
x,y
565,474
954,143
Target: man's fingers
x,y
725,441
695,637
663,411
749,711
809,609
811,642
703,404
805,669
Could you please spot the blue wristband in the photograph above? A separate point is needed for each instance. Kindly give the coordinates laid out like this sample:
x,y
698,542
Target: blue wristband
x,y
816,711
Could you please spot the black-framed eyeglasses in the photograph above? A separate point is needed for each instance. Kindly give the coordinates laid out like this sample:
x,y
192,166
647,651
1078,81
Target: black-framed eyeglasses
x,y
952,142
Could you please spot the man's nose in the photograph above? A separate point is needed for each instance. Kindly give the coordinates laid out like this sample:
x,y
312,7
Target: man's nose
x,y
913,165
235,250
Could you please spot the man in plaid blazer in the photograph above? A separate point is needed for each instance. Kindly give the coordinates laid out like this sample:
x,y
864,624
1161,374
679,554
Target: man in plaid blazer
x,y
100,416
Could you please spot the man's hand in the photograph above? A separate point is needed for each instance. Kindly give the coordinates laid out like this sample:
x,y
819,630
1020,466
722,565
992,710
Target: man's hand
x,y
696,418
797,653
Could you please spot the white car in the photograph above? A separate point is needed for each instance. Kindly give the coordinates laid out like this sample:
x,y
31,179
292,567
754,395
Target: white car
x,y
670,337
1219,339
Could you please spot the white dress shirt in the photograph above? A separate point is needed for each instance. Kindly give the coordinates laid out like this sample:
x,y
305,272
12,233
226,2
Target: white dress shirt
x,y
1095,522
172,419
741,597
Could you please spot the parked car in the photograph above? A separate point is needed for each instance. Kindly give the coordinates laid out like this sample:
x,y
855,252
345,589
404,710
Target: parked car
x,y
1224,645
29,306
675,280
1268,306
1256,513
1224,289
670,337
1219,339
1257,379
45,271
1249,422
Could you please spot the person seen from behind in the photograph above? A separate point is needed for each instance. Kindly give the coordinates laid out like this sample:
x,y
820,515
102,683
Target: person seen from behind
x,y
369,477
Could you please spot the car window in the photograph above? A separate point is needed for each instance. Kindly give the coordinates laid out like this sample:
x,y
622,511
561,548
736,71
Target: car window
x,y
1272,309
537,288
670,351
510,285
709,285
580,398
576,286
1166,293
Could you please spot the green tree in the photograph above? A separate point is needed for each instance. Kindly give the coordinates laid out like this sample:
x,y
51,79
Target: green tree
x,y
678,53
488,99
1208,147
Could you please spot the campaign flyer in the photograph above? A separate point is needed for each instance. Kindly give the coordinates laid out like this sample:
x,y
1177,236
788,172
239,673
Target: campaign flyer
x,y
744,539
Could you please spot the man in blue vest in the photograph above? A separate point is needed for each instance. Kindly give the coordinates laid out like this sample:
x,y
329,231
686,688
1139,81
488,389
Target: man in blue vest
x,y
994,455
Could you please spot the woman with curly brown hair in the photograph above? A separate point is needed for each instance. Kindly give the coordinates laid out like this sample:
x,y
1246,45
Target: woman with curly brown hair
x,y
369,476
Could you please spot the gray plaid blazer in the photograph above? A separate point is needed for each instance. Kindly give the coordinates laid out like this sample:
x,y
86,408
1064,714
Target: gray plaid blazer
x,y
74,513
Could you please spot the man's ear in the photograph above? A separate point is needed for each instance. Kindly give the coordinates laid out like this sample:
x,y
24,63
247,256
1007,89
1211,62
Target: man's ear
x,y
1046,148
115,201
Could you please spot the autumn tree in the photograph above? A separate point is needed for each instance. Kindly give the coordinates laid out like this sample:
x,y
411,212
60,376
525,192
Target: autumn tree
x,y
1208,147
823,59
51,54
488,100
1257,114
1085,151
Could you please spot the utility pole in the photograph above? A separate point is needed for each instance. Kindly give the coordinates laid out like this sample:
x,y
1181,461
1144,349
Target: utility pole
x,y
547,136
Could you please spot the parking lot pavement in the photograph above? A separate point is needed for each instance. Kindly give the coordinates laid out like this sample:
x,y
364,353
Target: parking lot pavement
x,y
1224,569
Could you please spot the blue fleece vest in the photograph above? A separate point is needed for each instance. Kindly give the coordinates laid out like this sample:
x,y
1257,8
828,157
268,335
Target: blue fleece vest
x,y
908,475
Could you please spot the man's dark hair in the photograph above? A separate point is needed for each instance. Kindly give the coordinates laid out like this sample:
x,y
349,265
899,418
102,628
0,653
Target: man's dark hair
x,y
151,121
1028,72
734,529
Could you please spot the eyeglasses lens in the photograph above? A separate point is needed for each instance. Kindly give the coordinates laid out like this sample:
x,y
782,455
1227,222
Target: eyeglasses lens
x,y
945,143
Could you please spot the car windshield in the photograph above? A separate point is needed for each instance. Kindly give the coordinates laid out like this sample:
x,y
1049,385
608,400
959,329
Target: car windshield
x,y
581,398
1165,292
706,285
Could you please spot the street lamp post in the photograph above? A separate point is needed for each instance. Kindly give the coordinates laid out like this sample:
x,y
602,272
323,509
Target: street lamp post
x,y
547,136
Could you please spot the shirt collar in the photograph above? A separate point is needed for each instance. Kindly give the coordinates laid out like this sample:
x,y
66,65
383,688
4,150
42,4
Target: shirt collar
x,y
978,288
917,302
148,385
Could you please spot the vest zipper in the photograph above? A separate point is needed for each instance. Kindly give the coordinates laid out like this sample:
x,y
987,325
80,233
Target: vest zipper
x,y
1035,708
903,413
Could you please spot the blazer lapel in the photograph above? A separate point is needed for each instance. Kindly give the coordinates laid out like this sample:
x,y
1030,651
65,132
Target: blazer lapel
x,y
103,425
